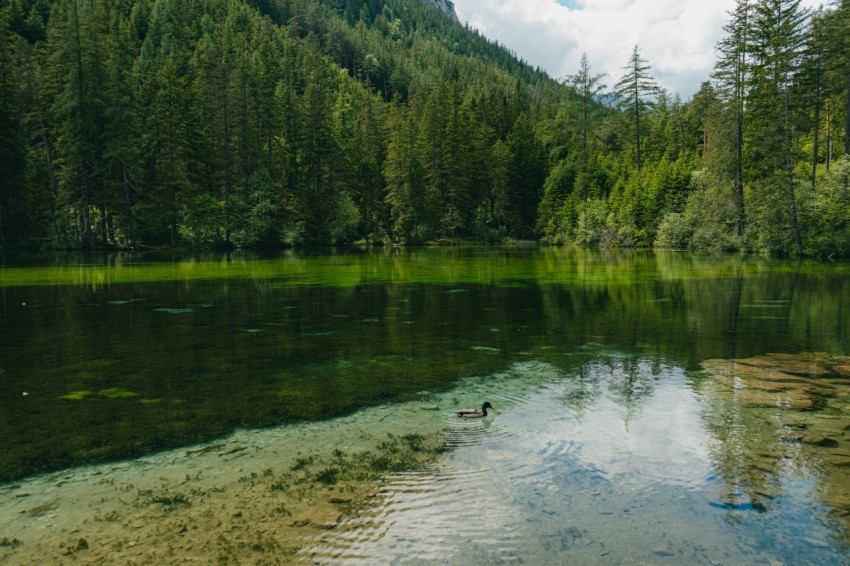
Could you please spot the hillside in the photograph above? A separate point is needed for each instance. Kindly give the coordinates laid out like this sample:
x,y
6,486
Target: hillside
x,y
268,123
227,123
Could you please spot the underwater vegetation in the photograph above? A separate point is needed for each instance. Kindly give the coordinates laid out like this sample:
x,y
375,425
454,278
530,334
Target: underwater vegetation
x,y
107,376
13,543
111,393
791,412
395,454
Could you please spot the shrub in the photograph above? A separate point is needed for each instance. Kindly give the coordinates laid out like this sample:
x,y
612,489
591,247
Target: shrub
x,y
675,232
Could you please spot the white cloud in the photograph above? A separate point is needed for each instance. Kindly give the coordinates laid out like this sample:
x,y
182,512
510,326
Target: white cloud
x,y
677,37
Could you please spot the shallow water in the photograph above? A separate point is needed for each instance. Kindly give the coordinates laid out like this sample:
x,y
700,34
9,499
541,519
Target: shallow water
x,y
607,446
557,475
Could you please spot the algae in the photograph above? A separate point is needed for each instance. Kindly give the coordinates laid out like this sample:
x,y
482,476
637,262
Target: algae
x,y
797,420
78,395
111,393
172,310
117,393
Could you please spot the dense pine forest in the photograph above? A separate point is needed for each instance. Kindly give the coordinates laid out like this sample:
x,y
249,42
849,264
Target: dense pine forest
x,y
128,124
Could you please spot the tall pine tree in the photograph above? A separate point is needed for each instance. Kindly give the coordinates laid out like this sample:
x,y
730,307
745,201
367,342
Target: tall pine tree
x,y
732,74
636,89
779,33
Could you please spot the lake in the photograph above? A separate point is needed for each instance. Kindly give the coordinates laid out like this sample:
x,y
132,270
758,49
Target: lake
x,y
658,408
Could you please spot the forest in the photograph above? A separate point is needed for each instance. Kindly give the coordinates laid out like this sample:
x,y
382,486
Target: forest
x,y
248,124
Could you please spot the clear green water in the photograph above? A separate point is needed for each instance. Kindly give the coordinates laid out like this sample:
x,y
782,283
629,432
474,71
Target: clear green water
x,y
604,447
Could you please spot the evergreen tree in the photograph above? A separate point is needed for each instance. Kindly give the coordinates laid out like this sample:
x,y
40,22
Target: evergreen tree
x,y
367,150
813,84
161,82
837,22
732,73
499,204
778,39
635,89
404,175
527,173
74,72
11,142
246,123
588,88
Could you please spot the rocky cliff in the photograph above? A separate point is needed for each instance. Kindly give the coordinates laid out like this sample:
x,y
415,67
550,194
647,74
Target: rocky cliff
x,y
444,5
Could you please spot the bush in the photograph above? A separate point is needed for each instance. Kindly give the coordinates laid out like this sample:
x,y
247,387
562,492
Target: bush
x,y
826,214
675,232
708,222
203,221
596,226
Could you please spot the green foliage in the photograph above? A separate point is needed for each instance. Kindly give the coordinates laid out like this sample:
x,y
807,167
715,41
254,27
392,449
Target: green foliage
x,y
826,213
675,232
636,89
248,124
204,220
254,220
234,124
596,225
770,219
12,152
558,186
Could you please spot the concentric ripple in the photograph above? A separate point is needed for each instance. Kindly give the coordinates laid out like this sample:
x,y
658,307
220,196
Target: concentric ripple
x,y
608,465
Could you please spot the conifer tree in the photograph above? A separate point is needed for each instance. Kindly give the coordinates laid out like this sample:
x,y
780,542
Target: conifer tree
x,y
526,176
813,84
838,38
732,74
74,74
588,87
635,89
778,38
404,174
11,143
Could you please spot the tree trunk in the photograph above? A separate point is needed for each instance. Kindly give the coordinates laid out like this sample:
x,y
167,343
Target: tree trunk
x,y
816,132
739,167
174,216
104,222
789,174
584,157
228,165
128,200
87,233
828,138
42,127
85,213
637,126
847,120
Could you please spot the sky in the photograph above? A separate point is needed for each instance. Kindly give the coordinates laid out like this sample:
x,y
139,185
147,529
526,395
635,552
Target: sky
x,y
677,37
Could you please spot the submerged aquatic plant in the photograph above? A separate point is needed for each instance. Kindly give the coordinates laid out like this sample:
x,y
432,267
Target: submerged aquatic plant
x,y
77,395
174,310
302,463
111,393
117,393
328,476
167,499
393,455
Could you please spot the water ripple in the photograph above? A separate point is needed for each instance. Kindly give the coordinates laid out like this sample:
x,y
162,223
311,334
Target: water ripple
x,y
565,469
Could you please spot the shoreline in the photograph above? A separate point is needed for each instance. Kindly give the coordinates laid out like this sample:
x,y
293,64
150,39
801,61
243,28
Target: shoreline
x,y
251,497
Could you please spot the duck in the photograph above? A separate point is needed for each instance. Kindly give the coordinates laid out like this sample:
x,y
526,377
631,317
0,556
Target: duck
x,y
475,413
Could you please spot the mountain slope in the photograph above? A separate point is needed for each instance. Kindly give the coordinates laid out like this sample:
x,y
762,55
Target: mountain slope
x,y
166,122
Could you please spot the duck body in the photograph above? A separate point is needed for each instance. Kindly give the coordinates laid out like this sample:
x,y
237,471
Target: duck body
x,y
475,413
